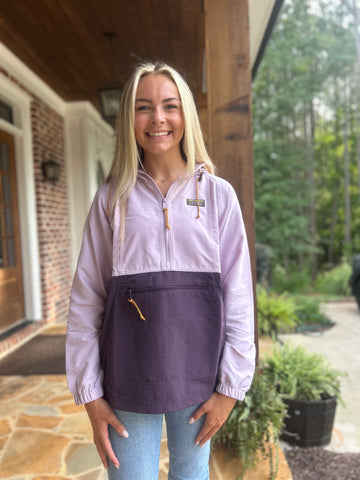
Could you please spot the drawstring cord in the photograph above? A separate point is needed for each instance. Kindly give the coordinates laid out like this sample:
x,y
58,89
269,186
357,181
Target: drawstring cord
x,y
198,179
131,300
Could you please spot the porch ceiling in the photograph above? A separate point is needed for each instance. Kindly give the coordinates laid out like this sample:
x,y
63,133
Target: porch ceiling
x,y
63,42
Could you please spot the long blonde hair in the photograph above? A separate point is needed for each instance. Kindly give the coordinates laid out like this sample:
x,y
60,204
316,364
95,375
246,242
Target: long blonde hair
x,y
127,156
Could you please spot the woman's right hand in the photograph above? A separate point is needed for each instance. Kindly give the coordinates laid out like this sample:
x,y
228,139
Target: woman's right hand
x,y
101,416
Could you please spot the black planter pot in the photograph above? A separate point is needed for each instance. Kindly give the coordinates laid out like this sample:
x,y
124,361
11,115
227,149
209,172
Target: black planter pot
x,y
309,424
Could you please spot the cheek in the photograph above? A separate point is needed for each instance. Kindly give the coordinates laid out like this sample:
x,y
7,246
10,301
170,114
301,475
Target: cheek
x,y
181,128
179,124
138,128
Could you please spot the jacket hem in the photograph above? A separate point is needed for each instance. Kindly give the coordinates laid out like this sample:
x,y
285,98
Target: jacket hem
x,y
167,407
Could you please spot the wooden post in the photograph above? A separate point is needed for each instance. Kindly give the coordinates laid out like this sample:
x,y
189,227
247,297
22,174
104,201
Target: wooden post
x,y
229,120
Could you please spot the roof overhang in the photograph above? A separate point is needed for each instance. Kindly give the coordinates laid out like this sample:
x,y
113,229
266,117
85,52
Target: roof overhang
x,y
63,44
262,18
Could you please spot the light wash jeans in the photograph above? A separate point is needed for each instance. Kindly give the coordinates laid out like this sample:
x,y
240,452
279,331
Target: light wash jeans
x,y
139,453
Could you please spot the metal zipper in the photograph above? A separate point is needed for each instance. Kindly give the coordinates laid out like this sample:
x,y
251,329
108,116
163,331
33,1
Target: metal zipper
x,y
167,287
149,289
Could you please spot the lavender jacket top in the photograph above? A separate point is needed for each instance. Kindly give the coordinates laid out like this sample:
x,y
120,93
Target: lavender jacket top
x,y
161,313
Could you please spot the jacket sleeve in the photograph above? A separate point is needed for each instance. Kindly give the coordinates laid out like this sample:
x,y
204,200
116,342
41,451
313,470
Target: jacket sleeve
x,y
87,303
237,364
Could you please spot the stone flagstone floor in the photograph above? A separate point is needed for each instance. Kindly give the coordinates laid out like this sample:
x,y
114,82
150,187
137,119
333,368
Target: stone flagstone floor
x,y
45,436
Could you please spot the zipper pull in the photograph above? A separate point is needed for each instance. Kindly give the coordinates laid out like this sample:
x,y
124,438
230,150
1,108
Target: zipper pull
x,y
137,308
166,215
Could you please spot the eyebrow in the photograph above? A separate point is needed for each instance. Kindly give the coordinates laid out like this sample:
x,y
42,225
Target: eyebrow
x,y
170,99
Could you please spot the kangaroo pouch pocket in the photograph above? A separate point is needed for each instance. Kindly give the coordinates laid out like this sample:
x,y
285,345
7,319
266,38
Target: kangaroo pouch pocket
x,y
162,340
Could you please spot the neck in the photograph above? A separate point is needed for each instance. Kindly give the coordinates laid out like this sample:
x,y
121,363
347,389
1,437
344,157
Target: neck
x,y
164,171
164,168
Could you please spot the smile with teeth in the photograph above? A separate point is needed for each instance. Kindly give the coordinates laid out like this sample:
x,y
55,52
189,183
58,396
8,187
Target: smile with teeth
x,y
158,134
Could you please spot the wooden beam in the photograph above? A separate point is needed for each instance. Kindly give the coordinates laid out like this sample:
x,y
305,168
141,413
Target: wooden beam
x,y
229,119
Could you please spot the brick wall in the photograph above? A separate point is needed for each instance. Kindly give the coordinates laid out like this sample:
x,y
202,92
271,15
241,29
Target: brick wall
x,y
52,210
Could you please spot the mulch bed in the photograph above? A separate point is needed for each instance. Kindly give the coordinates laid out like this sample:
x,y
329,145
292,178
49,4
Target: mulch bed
x,y
318,464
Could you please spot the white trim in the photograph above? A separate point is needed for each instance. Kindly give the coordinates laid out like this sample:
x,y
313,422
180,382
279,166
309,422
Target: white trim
x,y
88,139
86,109
9,127
259,16
20,102
15,67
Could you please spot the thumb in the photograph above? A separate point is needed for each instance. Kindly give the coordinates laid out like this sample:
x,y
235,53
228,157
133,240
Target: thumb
x,y
118,426
198,413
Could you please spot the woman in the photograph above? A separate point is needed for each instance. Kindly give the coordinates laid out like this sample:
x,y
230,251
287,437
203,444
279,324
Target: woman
x,y
161,311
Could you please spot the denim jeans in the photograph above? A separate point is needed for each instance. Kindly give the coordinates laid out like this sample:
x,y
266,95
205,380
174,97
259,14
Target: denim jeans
x,y
139,453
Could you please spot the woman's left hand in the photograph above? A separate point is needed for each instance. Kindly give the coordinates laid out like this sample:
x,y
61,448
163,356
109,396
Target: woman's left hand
x,y
217,409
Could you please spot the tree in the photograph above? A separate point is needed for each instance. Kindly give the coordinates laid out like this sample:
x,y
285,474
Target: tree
x,y
304,135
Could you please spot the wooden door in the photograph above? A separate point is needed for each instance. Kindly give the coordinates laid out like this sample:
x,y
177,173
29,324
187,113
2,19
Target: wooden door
x,y
11,289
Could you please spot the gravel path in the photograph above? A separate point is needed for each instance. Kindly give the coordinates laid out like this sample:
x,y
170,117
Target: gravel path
x,y
319,464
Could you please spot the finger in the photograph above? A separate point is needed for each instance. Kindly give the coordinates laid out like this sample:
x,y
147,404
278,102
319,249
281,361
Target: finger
x,y
198,413
210,427
118,426
104,447
107,454
103,457
202,434
206,434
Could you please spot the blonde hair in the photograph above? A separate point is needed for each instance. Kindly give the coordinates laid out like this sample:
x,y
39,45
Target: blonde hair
x,y
127,156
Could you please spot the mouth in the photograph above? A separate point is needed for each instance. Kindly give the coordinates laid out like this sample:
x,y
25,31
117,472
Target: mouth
x,y
163,133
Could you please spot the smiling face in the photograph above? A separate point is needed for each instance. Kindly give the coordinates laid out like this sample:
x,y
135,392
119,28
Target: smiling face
x,y
159,122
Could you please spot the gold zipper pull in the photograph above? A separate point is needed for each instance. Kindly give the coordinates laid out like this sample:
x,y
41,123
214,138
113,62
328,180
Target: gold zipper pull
x,y
137,308
165,210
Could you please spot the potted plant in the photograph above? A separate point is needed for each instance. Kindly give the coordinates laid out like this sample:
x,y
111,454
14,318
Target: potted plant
x,y
254,426
310,389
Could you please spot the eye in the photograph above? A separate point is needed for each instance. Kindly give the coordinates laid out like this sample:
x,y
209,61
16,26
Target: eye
x,y
171,106
142,108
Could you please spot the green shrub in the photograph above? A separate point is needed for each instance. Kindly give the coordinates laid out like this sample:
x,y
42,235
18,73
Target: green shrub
x,y
294,281
301,375
335,281
254,425
275,312
308,313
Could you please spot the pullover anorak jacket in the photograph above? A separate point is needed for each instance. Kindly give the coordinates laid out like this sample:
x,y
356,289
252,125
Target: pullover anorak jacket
x,y
161,311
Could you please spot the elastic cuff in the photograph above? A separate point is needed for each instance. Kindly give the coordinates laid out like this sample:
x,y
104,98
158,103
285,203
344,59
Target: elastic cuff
x,y
88,394
230,391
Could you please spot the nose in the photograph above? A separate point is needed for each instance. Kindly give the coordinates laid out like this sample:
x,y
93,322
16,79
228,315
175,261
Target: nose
x,y
157,116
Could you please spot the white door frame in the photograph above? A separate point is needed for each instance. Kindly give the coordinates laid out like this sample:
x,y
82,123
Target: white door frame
x,y
20,103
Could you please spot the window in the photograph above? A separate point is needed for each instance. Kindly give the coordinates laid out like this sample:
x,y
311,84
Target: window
x,y
6,112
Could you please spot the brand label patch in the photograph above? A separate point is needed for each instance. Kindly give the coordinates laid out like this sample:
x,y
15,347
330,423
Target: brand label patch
x,y
194,202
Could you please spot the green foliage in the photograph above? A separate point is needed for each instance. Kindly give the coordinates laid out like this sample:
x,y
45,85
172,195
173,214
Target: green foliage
x,y
305,89
335,281
275,312
308,313
254,425
263,263
288,313
294,281
301,375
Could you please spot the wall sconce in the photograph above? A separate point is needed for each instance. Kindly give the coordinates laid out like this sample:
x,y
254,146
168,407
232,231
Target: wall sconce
x,y
109,95
51,170
109,103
